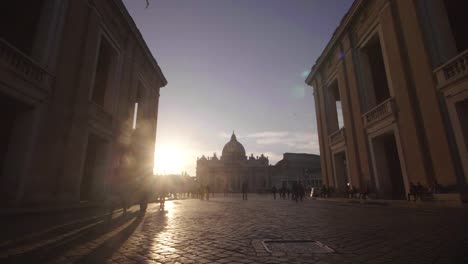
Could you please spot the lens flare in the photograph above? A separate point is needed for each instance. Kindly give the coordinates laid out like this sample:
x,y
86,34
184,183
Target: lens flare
x,y
169,159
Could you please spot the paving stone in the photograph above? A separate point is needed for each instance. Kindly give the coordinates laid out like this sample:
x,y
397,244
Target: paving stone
x,y
229,230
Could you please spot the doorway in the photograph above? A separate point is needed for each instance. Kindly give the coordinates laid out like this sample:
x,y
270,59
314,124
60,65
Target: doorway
x,y
388,168
94,168
15,134
462,114
340,170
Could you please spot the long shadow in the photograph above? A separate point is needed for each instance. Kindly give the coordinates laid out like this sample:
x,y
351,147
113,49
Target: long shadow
x,y
47,252
112,245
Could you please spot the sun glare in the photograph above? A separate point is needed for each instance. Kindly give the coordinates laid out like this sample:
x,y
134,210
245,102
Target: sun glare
x,y
169,159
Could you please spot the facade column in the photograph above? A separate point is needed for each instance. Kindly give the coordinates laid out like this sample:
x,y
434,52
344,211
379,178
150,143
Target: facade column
x,y
321,137
324,131
400,88
423,82
363,167
352,154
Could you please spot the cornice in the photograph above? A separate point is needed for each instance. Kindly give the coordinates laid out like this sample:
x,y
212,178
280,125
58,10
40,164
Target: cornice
x,y
140,40
344,24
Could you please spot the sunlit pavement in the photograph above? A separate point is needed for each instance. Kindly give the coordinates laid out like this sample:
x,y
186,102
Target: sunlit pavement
x,y
230,230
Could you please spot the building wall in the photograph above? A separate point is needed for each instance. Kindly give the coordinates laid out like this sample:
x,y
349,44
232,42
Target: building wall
x,y
63,116
416,113
225,175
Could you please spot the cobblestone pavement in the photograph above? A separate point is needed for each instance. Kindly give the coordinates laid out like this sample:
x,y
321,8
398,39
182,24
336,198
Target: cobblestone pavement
x,y
230,230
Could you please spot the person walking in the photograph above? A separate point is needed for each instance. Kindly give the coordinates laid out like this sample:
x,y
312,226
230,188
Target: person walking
x,y
301,191
244,190
145,184
162,192
273,190
295,192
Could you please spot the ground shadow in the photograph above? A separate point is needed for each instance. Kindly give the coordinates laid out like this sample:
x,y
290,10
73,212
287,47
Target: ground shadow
x,y
111,245
43,254
145,240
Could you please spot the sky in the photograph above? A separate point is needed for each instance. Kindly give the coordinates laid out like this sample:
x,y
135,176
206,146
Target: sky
x,y
235,65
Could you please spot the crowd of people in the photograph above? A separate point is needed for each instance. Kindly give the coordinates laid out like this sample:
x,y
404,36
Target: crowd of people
x,y
149,188
418,191
297,192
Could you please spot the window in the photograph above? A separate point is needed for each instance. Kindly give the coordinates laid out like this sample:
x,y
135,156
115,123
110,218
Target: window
x,y
377,89
456,13
336,111
138,98
18,23
462,111
103,71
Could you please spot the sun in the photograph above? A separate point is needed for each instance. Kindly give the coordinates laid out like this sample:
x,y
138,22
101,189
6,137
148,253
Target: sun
x,y
169,159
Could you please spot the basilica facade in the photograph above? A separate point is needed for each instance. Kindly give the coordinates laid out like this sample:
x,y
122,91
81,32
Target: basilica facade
x,y
228,172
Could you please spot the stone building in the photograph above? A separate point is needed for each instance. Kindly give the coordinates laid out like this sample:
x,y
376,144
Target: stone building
x,y
296,167
79,93
395,72
228,172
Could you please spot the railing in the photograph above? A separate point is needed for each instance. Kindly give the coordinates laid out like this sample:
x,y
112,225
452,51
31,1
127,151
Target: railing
x,y
20,63
453,68
379,112
337,136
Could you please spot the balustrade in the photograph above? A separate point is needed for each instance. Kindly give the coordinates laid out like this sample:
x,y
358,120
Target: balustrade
x,y
379,112
23,65
337,136
455,67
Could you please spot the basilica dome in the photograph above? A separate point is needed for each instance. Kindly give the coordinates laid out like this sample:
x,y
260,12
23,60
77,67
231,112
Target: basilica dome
x,y
233,150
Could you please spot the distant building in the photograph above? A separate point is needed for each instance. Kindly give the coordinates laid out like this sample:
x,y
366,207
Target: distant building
x,y
228,172
391,98
79,93
296,167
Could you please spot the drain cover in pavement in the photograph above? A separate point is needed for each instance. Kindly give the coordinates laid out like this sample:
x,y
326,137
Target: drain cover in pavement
x,y
296,246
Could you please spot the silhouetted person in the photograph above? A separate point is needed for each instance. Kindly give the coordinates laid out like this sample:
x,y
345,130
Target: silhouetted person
x,y
162,193
412,192
301,191
244,190
145,190
364,192
201,192
420,190
295,192
273,190
435,188
162,202
288,191
324,191
207,192
351,191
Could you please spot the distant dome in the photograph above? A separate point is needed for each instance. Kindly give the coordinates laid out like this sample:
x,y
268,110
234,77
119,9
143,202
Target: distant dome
x,y
233,150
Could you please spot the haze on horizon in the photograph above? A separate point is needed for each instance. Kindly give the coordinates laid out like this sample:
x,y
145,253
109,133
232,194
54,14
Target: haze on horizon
x,y
235,65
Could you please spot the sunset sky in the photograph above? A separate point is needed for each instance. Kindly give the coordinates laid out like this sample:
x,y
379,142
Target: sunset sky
x,y
235,65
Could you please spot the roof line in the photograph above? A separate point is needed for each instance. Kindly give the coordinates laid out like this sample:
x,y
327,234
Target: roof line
x,y
344,23
140,39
